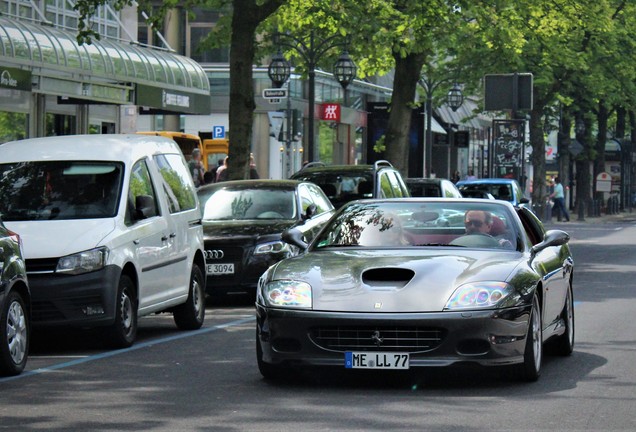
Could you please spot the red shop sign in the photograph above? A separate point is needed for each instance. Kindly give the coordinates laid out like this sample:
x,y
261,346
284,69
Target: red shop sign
x,y
331,112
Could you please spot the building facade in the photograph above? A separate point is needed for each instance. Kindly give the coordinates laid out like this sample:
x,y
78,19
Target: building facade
x,y
52,85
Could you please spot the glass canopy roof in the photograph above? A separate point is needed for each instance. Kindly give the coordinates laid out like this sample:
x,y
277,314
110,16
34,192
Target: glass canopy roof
x,y
56,50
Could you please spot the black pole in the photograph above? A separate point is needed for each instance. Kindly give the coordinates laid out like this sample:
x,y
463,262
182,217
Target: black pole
x,y
311,156
429,132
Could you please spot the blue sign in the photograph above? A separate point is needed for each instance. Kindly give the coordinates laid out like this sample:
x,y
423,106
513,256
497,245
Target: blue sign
x,y
218,132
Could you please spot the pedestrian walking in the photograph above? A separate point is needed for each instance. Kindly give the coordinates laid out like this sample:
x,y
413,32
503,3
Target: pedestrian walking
x,y
558,196
196,168
471,175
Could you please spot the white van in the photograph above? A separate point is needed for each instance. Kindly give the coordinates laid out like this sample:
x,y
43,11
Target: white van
x,y
111,227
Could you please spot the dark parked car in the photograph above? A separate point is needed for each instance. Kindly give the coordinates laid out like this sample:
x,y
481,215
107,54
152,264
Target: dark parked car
x,y
432,187
242,226
15,305
500,188
344,183
386,286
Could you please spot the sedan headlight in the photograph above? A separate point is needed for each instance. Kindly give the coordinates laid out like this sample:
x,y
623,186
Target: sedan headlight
x,y
83,262
272,247
480,295
288,293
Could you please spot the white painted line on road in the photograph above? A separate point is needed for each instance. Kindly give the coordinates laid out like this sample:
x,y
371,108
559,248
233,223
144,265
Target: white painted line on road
x,y
127,350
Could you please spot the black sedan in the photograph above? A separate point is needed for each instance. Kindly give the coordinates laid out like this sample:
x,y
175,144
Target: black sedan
x,y
419,282
15,305
242,226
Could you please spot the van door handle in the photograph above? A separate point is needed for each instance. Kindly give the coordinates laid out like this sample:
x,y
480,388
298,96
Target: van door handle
x,y
164,238
173,235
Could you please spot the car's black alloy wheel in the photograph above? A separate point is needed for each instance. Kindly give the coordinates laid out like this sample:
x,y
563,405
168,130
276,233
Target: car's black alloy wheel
x,y
564,344
530,369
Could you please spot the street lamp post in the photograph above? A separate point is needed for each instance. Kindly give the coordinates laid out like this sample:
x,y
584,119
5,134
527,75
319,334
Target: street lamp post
x,y
454,99
311,52
279,71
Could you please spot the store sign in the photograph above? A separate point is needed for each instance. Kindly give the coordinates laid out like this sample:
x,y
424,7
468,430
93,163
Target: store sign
x,y
330,112
168,100
15,79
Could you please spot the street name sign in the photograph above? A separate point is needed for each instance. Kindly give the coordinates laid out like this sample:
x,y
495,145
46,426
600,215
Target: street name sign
x,y
278,93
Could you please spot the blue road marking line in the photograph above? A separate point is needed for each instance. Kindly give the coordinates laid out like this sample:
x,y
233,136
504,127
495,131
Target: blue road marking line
x,y
127,350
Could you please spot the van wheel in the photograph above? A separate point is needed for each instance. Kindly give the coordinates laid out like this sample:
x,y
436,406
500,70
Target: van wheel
x,y
14,334
191,314
123,332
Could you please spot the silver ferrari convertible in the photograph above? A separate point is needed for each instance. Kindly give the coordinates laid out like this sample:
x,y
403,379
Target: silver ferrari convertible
x,y
408,283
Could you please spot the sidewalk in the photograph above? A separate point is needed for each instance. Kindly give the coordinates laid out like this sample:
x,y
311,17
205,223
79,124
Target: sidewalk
x,y
623,216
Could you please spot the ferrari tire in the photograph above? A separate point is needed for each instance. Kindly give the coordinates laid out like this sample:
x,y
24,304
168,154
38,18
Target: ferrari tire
x,y
122,333
530,369
268,370
14,330
191,314
564,344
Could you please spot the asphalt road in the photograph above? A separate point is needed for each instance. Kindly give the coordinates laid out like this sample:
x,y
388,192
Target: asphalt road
x,y
208,380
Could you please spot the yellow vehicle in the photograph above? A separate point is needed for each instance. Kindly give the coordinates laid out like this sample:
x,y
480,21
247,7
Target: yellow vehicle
x,y
214,150
187,142
211,149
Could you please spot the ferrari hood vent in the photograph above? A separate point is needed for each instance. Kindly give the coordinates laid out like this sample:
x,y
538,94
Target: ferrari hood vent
x,y
388,277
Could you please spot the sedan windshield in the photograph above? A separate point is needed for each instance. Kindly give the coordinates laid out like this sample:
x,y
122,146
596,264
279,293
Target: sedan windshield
x,y
59,190
412,223
248,204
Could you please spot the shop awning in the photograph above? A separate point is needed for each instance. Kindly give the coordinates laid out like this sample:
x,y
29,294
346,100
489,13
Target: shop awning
x,y
104,71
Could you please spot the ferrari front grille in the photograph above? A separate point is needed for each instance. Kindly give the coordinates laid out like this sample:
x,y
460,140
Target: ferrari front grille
x,y
394,338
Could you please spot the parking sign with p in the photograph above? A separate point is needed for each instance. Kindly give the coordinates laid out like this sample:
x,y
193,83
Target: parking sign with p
x,y
218,132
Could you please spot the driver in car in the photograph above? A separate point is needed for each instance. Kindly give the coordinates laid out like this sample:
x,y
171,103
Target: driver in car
x,y
480,222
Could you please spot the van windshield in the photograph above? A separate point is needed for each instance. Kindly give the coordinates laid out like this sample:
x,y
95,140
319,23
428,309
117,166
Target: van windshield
x,y
59,190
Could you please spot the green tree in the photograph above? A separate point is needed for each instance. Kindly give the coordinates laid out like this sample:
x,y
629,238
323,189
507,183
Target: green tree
x,y
242,29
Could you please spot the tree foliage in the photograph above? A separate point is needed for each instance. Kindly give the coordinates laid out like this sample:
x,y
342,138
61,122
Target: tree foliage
x,y
579,52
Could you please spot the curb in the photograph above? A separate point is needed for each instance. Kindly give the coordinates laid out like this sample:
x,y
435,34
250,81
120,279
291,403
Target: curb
x,y
625,216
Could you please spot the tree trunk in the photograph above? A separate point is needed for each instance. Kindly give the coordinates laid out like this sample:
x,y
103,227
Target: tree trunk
x,y
601,137
247,15
621,118
583,161
538,157
407,75
565,157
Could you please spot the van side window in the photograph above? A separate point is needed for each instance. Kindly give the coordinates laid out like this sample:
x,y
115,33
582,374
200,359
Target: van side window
x,y
178,188
141,191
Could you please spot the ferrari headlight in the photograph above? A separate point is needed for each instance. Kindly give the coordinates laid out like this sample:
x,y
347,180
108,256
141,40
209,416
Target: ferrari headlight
x,y
288,293
272,247
83,262
479,295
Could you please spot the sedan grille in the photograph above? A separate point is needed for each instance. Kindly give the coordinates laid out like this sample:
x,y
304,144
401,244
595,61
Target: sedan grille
x,y
402,339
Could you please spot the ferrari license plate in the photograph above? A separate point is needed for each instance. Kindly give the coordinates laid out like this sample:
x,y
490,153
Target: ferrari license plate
x,y
220,269
376,360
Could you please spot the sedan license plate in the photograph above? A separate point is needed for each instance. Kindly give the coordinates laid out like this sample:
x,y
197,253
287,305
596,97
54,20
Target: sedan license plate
x,y
376,360
220,269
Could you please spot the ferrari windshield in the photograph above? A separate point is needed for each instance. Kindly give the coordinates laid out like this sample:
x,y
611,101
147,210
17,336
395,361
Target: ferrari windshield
x,y
412,223
59,190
